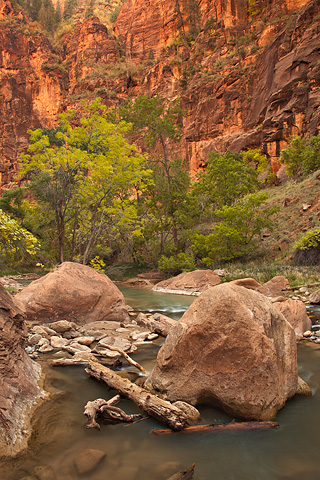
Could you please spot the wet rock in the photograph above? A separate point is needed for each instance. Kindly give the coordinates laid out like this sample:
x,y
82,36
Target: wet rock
x,y
189,283
86,340
87,460
231,348
73,292
116,342
315,297
303,388
46,348
295,313
307,334
45,472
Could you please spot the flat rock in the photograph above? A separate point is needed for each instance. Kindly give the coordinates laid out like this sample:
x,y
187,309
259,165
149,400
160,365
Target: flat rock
x,y
73,292
249,282
62,326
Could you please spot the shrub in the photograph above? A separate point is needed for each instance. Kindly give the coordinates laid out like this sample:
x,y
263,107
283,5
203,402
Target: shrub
x,y
183,262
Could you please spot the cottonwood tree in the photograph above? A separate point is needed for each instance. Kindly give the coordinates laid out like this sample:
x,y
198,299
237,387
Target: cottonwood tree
x,y
84,178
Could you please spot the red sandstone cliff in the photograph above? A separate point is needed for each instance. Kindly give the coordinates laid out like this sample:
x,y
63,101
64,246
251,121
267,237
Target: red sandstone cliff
x,y
249,80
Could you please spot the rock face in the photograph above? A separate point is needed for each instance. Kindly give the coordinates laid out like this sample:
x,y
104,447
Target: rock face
x,y
295,313
232,348
18,378
73,292
189,283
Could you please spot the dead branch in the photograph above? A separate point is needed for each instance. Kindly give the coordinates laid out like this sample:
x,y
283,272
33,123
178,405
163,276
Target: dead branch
x,y
164,411
221,427
129,359
184,475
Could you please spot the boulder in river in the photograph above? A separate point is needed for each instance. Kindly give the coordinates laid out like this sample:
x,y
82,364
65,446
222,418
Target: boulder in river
x,y
232,348
189,283
73,292
295,313
18,378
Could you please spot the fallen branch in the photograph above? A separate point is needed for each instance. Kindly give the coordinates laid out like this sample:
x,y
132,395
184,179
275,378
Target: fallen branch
x,y
185,475
97,407
221,427
129,359
164,411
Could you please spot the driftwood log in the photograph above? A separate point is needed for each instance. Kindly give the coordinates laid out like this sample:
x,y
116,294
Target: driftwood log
x,y
185,475
157,323
163,411
128,358
221,427
108,412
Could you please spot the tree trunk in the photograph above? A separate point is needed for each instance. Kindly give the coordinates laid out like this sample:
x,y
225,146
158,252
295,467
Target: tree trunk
x,y
163,411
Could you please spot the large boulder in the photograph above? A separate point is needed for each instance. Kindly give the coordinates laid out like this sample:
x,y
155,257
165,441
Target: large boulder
x,y
189,283
276,287
295,313
18,378
232,348
73,292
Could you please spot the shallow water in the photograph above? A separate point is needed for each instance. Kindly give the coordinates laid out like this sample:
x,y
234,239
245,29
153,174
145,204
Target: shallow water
x,y
290,452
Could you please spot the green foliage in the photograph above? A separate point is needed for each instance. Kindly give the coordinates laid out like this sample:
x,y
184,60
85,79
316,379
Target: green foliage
x,y
310,240
302,155
115,13
233,236
228,177
16,243
182,262
86,179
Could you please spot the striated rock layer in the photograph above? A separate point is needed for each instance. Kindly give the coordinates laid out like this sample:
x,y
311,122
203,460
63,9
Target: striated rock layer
x,y
232,348
18,378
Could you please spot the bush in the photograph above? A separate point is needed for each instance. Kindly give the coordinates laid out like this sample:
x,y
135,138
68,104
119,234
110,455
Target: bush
x,y
302,155
308,248
183,262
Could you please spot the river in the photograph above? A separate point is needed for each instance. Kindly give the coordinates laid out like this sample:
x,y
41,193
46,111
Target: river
x,y
291,452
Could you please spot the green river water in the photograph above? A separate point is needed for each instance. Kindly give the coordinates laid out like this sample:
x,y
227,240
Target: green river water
x,y
291,452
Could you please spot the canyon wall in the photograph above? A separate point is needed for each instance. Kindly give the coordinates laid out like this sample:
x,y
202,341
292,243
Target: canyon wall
x,y
248,79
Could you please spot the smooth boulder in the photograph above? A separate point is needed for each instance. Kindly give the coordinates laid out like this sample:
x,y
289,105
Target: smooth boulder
x,y
295,313
73,292
189,283
18,378
232,348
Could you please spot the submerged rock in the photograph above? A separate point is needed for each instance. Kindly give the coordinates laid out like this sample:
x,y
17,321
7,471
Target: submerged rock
x,y
189,283
88,460
18,378
73,292
232,348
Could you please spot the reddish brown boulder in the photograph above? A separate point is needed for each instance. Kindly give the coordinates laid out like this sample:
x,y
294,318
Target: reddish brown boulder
x,y
189,283
250,283
18,378
295,313
315,297
73,292
276,287
232,348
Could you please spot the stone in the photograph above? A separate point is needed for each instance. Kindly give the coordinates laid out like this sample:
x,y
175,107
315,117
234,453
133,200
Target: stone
x,y
295,313
116,342
275,287
34,339
58,342
61,326
46,348
19,376
189,283
303,388
250,283
87,460
44,472
73,292
192,413
307,334
86,340
139,336
315,297
232,348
